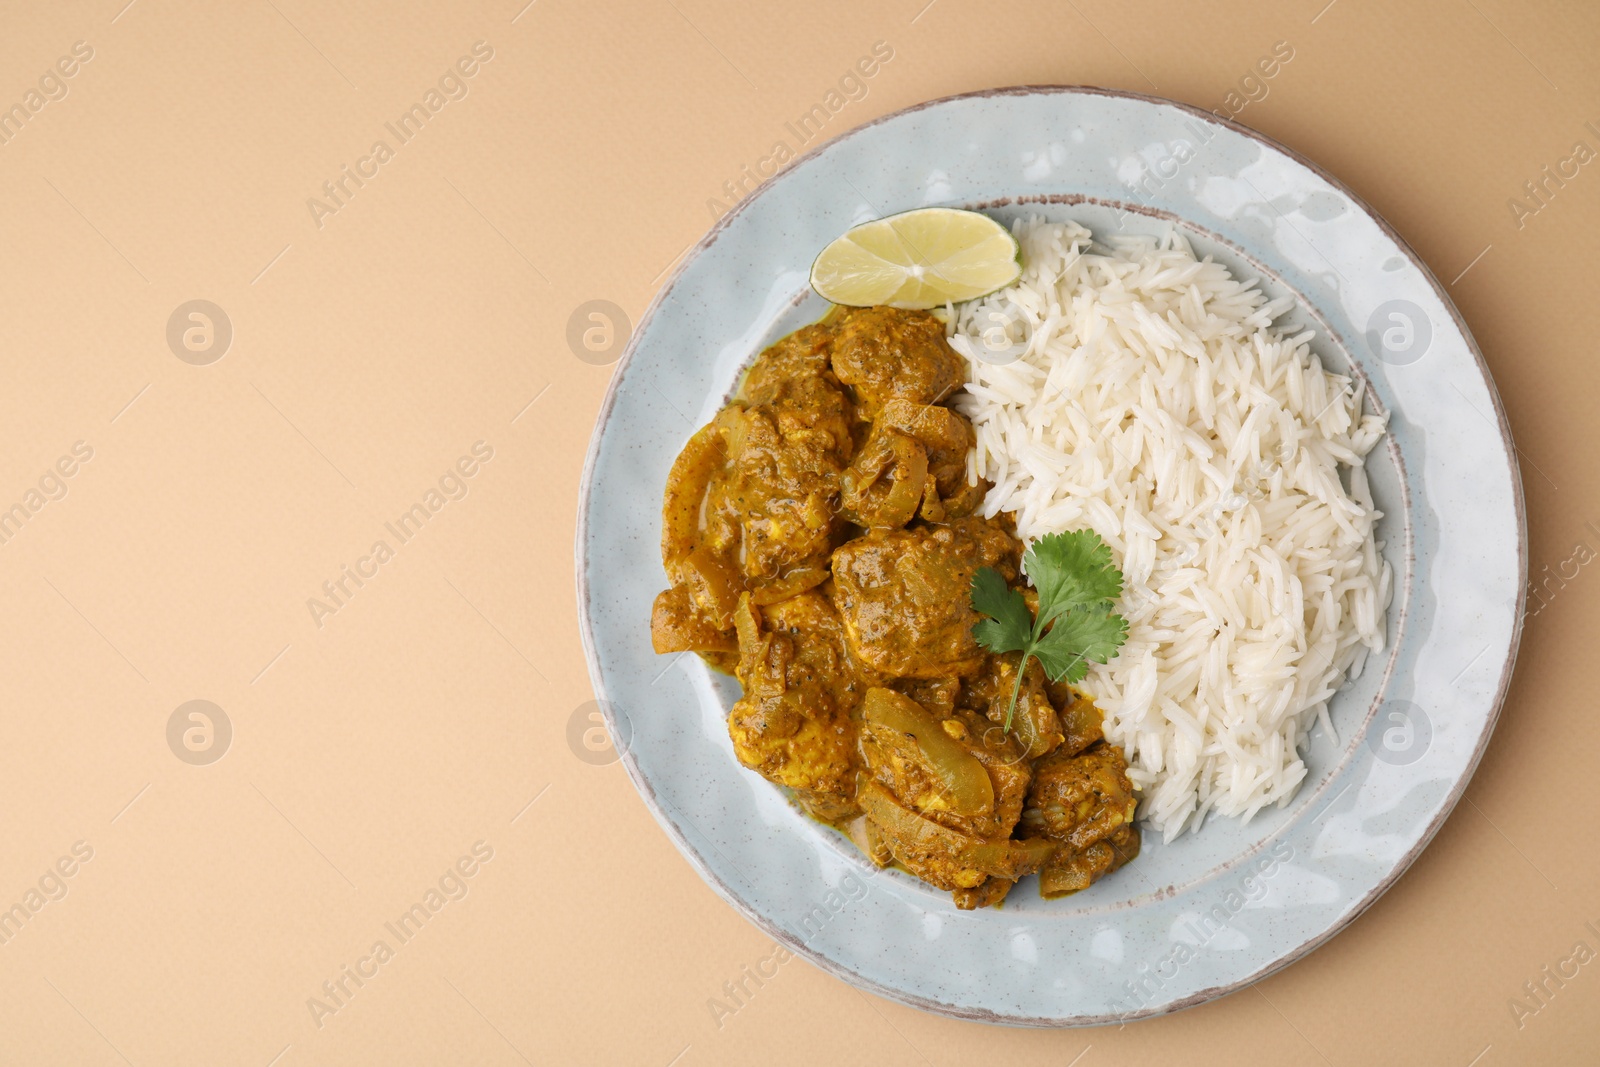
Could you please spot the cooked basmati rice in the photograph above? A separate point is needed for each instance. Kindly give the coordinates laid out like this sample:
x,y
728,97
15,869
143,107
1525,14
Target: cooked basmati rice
x,y
1153,402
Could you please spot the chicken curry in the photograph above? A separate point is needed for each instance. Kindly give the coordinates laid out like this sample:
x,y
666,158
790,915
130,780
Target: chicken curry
x,y
820,538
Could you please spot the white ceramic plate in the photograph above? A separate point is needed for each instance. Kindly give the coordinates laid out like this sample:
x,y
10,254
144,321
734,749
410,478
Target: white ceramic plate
x,y
1211,912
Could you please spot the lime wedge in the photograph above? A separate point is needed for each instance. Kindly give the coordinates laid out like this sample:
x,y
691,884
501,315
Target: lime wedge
x,y
918,259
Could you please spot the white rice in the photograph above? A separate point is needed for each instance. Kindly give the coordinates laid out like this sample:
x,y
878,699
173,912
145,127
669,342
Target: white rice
x,y
1156,404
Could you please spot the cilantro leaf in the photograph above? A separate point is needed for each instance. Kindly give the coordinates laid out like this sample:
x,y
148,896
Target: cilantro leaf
x,y
1077,637
1070,570
1077,582
1009,626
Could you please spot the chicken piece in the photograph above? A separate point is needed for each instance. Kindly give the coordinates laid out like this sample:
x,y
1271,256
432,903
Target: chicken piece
x,y
677,626
1035,723
905,595
802,354
751,501
795,723
1071,872
887,483
1009,769
888,353
924,761
946,435
925,812
914,461
988,892
1081,719
701,565
938,695
775,503
1079,800
943,857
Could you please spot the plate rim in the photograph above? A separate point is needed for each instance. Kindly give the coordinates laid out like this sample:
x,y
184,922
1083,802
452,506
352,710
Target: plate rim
x,y
795,945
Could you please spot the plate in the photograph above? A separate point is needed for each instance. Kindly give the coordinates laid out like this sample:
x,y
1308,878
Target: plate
x,y
1211,912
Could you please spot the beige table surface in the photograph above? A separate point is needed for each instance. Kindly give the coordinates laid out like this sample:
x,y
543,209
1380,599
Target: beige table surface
x,y
376,735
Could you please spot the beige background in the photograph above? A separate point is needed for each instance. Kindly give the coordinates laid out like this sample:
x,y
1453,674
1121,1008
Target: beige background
x,y
429,711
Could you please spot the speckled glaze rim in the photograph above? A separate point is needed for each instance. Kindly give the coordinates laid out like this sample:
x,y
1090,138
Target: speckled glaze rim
x,y
1284,959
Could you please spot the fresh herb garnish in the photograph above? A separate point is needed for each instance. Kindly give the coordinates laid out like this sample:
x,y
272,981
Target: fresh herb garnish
x,y
1077,585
